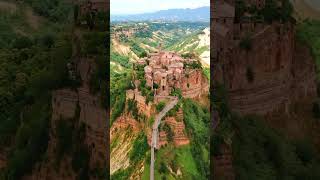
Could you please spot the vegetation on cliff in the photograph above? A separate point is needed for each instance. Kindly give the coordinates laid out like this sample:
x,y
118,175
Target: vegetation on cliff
x,y
35,49
197,121
272,11
33,64
308,33
54,10
187,161
259,151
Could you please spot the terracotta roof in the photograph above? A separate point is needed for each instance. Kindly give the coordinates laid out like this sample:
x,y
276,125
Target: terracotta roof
x,y
147,69
179,65
222,9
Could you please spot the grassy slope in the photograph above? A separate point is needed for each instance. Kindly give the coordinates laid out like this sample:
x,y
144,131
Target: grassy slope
x,y
184,44
184,161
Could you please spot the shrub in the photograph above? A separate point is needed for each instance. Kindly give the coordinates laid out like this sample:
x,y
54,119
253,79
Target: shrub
x,y
139,148
155,86
316,110
160,106
240,9
118,107
22,42
305,151
133,109
169,132
163,168
246,42
197,121
216,142
64,129
176,92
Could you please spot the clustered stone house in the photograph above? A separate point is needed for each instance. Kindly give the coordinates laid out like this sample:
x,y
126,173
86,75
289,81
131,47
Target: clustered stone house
x,y
276,62
169,71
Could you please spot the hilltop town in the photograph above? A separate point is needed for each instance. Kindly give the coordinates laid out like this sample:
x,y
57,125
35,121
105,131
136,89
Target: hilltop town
x,y
160,85
166,75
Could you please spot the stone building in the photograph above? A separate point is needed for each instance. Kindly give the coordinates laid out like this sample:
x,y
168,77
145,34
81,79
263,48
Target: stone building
x,y
169,71
165,72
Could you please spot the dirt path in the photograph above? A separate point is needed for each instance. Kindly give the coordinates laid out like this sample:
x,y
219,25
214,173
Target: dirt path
x,y
155,133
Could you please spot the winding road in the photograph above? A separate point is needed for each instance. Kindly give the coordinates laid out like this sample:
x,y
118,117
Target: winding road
x,y
155,132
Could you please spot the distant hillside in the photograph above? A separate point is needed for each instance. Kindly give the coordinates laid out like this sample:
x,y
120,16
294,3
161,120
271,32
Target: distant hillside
x,y
181,37
307,8
198,14
197,42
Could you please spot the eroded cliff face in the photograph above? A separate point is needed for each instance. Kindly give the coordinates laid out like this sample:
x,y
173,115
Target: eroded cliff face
x,y
3,159
122,137
223,165
194,85
265,71
270,75
83,111
270,63
261,65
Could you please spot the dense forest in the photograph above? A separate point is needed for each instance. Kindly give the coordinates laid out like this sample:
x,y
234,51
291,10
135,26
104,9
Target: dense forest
x,y
35,48
33,60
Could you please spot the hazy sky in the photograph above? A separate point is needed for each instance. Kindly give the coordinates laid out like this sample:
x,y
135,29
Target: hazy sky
x,y
142,6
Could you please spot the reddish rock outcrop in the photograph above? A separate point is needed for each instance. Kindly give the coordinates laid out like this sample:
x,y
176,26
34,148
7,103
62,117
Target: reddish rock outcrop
x,y
266,76
143,106
64,106
124,122
222,163
179,133
178,127
264,69
3,159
